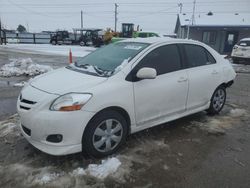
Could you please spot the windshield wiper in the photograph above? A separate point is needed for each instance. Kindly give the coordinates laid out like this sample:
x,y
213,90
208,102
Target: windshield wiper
x,y
98,70
81,65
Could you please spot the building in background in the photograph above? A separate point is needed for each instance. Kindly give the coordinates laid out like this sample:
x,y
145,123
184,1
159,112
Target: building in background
x,y
220,31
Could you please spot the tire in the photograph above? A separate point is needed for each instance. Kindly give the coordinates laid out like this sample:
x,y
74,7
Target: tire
x,y
53,42
98,140
82,43
217,101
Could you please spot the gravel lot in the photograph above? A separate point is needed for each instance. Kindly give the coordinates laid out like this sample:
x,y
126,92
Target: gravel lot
x,y
195,151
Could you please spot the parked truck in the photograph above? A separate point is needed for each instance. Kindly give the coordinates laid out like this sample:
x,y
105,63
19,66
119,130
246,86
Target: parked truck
x,y
80,36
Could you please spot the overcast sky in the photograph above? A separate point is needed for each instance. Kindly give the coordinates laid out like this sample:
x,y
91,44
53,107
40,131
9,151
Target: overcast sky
x,y
151,15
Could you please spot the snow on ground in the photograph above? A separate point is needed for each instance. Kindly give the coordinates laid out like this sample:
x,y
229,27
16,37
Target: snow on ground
x,y
101,171
219,124
20,84
46,49
106,168
50,176
237,112
46,178
78,172
6,128
18,67
9,126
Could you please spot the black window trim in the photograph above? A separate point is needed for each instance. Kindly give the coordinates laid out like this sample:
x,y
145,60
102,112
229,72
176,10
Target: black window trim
x,y
131,75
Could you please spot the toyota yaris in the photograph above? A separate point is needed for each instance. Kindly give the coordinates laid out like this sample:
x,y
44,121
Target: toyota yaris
x,y
117,90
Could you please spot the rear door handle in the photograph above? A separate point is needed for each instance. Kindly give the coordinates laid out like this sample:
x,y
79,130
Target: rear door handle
x,y
214,72
182,79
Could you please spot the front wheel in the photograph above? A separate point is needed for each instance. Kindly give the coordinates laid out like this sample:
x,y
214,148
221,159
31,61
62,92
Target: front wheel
x,y
217,101
104,134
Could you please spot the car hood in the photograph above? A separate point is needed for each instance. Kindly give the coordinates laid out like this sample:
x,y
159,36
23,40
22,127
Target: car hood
x,y
64,80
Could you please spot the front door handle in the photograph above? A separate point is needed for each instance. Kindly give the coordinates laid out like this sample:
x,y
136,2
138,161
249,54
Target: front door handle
x,y
182,79
214,72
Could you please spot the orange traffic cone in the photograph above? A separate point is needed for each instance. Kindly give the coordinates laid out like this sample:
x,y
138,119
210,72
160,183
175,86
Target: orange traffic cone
x,y
70,57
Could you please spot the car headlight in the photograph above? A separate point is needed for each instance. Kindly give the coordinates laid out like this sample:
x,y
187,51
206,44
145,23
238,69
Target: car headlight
x,y
70,102
235,47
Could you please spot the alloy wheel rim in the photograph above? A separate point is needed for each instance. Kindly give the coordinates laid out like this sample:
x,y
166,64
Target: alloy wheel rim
x,y
107,135
219,99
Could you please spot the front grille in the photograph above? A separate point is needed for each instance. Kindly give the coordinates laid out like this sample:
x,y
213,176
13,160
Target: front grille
x,y
26,104
26,130
27,101
25,108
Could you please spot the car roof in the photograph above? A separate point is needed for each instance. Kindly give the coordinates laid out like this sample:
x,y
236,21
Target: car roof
x,y
245,39
158,40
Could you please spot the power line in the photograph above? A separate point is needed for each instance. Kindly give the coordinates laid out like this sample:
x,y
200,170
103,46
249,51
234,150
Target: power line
x,y
31,11
127,12
124,3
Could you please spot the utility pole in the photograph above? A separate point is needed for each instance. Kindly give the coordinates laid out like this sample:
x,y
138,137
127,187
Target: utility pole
x,y
81,19
116,6
193,18
27,26
188,29
180,5
0,32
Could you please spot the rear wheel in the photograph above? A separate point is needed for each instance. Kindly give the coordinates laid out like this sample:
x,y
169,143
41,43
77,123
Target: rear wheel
x,y
217,101
105,134
82,43
53,42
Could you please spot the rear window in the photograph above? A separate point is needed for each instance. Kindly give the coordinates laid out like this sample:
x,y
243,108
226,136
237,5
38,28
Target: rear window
x,y
244,43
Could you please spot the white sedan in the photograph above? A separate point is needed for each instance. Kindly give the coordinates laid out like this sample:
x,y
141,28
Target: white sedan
x,y
120,89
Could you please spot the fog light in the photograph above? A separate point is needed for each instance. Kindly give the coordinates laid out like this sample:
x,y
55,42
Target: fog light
x,y
55,138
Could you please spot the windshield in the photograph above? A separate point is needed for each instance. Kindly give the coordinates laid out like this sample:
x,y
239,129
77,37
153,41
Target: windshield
x,y
109,59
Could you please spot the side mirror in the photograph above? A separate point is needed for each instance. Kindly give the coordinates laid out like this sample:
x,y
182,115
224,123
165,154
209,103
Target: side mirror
x,y
146,73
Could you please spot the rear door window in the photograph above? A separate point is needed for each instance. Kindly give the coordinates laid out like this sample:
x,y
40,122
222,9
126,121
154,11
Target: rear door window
x,y
197,56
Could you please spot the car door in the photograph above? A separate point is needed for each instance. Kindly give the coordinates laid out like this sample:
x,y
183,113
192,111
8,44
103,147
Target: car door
x,y
203,74
158,99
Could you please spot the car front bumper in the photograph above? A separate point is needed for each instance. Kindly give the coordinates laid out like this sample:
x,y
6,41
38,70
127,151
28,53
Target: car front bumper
x,y
38,122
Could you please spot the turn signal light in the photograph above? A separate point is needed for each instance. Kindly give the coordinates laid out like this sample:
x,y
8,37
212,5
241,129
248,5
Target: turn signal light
x,y
71,108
